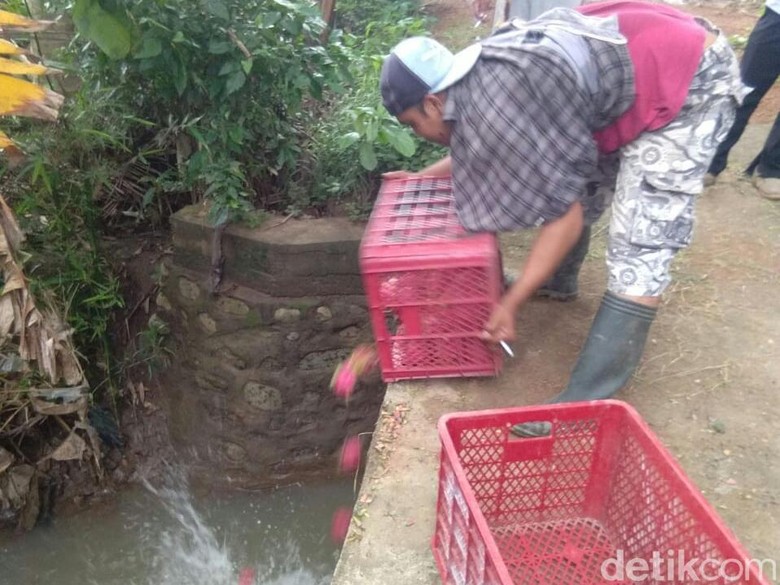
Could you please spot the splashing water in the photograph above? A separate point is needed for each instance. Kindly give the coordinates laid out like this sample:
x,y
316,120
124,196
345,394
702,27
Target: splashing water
x,y
163,536
190,553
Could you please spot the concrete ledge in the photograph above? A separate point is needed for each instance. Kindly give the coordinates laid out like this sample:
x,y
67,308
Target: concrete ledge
x,y
392,526
307,257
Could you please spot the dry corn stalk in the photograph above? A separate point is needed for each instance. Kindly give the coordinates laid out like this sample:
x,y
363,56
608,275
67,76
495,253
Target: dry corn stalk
x,y
41,337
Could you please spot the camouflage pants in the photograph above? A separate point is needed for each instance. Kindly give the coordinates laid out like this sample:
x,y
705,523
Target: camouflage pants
x,y
652,183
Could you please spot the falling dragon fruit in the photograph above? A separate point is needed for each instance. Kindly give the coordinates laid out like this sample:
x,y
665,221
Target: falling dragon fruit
x,y
359,364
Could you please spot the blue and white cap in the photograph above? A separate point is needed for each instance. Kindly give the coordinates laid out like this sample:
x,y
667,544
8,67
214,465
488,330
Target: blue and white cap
x,y
418,66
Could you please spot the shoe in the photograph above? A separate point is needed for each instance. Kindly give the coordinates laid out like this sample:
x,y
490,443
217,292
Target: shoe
x,y
710,179
531,430
768,187
557,295
608,359
612,350
563,284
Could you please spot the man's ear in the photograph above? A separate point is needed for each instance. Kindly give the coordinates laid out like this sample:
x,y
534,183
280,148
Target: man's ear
x,y
433,104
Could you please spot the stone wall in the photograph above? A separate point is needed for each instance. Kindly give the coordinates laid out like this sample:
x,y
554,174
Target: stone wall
x,y
248,393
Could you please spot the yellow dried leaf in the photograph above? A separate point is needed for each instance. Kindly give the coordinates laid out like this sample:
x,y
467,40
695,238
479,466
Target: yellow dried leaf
x,y
52,408
70,449
18,319
6,317
14,280
20,68
9,147
8,48
10,21
47,361
5,142
22,98
69,367
11,230
12,152
6,458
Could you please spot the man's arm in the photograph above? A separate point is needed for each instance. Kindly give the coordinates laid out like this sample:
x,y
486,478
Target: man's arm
x,y
441,168
554,241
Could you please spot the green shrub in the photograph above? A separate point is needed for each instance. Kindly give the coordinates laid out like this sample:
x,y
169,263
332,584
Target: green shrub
x,y
222,82
355,139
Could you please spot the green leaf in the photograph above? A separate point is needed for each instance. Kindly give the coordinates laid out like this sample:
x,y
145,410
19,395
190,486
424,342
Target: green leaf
x,y
217,8
301,82
236,134
103,28
235,82
201,140
180,76
316,89
218,214
286,4
372,129
348,140
246,65
401,141
269,19
229,67
148,197
219,47
150,47
292,26
178,37
367,156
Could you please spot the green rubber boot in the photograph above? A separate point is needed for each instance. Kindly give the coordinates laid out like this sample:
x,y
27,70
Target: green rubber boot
x,y
563,284
611,354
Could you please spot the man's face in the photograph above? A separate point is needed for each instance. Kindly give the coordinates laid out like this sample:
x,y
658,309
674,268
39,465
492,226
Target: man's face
x,y
427,120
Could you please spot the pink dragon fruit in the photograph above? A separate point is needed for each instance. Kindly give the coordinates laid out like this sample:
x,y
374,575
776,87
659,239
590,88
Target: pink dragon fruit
x,y
349,460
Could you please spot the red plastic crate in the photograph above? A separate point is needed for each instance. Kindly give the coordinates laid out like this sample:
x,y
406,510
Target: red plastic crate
x,y
551,510
431,286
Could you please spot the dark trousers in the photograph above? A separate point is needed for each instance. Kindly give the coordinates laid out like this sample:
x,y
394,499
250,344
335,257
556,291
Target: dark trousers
x,y
760,68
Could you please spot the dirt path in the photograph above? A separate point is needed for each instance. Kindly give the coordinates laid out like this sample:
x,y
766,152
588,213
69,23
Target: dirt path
x,y
710,377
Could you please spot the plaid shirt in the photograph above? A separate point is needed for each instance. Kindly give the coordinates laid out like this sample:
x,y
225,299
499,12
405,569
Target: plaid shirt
x,y
522,136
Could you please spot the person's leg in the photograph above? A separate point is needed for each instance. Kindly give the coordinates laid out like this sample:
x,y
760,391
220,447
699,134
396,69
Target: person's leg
x,y
760,68
661,173
564,284
660,176
767,164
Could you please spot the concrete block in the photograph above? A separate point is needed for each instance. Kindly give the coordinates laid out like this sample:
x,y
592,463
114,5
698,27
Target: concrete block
x,y
309,257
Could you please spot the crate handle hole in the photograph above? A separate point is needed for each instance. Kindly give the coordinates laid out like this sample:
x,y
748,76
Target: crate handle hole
x,y
536,429
392,321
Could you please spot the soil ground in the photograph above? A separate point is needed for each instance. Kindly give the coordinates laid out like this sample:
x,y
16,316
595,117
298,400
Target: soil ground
x,y
708,382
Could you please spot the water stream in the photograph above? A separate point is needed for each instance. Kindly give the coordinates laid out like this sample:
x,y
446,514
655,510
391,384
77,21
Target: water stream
x,y
165,536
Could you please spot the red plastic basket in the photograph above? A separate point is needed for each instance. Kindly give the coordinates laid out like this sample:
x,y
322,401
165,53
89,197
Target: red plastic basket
x,y
430,285
554,510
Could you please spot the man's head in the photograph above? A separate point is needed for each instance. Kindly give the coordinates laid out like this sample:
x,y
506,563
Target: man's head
x,y
413,82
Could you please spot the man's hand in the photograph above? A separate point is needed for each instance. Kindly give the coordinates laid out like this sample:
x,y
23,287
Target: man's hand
x,y
501,325
394,175
441,168
553,242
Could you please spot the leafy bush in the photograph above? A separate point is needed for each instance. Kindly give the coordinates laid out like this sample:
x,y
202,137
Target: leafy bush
x,y
355,139
358,17
224,83
242,104
354,143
